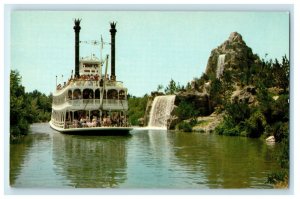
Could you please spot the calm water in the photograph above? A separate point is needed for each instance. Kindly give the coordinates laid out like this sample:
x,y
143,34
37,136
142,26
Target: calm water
x,y
145,159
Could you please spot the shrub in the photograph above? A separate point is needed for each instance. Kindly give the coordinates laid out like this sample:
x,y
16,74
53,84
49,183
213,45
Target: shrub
x,y
184,126
281,131
193,122
186,110
225,125
227,128
238,112
232,132
277,176
255,125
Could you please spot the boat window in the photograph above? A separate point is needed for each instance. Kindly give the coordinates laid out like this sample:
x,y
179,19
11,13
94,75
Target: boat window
x,y
69,94
97,93
112,94
88,94
121,94
77,94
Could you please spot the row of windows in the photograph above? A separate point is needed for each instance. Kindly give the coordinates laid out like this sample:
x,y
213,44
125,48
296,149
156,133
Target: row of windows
x,y
90,94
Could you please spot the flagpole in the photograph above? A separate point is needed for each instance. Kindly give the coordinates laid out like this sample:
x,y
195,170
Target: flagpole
x,y
101,48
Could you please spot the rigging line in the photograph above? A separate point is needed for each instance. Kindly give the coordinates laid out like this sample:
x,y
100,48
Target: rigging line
x,y
86,104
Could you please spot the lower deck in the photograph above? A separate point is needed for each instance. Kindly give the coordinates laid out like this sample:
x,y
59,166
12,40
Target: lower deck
x,y
72,119
93,130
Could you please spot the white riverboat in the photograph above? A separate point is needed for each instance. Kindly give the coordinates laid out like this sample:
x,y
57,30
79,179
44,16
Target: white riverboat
x,y
91,102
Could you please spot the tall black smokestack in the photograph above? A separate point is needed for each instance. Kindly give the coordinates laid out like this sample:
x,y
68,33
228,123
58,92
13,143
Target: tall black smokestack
x,y
77,30
113,50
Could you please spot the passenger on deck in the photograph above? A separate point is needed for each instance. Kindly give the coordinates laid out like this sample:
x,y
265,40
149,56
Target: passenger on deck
x,y
106,121
75,124
83,122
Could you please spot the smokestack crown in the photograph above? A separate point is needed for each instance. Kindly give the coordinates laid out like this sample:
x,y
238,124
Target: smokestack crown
x,y
113,25
77,25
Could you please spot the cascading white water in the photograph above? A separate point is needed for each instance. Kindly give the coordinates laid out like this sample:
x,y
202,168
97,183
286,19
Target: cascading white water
x,y
220,65
161,109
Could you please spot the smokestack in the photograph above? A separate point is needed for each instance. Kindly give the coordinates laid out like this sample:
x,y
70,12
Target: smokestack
x,y
113,50
77,30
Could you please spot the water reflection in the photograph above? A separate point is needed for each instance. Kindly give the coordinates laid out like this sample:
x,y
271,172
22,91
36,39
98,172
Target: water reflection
x,y
23,154
90,161
226,162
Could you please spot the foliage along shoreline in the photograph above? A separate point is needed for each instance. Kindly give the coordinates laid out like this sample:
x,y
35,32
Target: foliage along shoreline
x,y
26,107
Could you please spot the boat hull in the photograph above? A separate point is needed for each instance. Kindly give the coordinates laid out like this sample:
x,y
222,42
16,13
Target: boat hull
x,y
93,130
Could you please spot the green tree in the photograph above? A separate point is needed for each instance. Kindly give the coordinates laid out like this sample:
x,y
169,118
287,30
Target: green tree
x,y
26,108
159,87
136,108
40,105
188,86
281,73
172,88
19,124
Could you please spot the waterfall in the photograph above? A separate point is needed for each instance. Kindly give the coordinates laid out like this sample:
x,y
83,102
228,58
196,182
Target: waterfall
x,y
161,109
220,65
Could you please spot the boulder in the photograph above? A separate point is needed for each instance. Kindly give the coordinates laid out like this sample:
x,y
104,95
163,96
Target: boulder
x,y
270,139
246,95
141,121
172,121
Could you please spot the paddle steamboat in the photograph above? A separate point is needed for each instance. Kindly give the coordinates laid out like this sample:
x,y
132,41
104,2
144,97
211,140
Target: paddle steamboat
x,y
90,101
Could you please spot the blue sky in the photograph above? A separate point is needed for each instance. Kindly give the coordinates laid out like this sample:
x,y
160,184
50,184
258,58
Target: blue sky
x,y
151,47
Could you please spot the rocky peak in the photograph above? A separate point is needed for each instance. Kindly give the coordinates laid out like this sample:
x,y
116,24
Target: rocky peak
x,y
236,37
237,56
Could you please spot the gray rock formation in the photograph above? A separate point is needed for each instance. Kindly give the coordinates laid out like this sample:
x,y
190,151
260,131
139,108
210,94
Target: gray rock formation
x,y
199,100
246,95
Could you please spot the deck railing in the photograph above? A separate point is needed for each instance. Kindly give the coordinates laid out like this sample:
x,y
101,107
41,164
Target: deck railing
x,y
107,103
58,123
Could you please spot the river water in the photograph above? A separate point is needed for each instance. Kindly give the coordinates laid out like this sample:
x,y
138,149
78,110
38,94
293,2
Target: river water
x,y
144,159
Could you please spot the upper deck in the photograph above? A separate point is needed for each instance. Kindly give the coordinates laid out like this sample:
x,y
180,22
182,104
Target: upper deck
x,y
90,92
92,83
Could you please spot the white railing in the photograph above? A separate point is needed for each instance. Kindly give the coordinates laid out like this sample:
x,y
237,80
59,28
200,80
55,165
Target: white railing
x,y
114,83
115,104
95,103
85,83
95,83
79,102
58,123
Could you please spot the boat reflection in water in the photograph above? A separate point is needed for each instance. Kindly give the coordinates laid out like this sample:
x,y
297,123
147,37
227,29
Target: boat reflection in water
x,y
90,161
